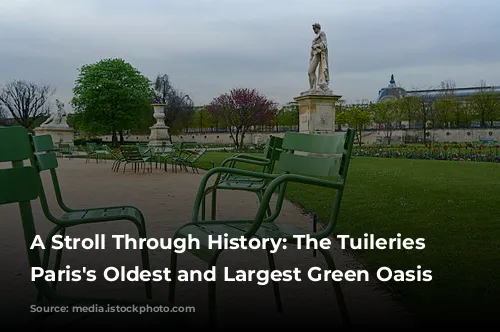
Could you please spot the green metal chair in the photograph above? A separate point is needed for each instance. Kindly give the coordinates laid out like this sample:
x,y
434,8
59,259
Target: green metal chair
x,y
117,157
322,160
188,158
44,159
132,155
65,150
20,186
176,152
230,181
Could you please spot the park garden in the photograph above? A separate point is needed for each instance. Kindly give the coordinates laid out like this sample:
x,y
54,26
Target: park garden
x,y
443,192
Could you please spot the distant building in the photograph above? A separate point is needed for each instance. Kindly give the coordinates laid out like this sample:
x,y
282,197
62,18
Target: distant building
x,y
392,92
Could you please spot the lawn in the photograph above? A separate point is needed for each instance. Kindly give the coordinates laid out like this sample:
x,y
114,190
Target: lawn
x,y
454,206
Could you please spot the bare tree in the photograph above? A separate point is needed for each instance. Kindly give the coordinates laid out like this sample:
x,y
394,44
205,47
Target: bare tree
x,y
26,102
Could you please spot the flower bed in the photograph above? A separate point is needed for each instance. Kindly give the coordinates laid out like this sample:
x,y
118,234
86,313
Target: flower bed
x,y
435,151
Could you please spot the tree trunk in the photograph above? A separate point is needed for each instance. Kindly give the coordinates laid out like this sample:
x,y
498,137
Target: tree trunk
x,y
242,137
114,139
122,139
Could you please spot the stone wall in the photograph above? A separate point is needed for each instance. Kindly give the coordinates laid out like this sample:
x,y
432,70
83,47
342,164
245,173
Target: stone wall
x,y
208,138
438,135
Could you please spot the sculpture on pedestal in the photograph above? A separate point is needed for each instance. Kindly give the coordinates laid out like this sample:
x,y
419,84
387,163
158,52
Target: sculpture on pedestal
x,y
58,119
319,76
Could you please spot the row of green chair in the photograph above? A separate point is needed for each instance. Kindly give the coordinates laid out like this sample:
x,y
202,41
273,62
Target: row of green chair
x,y
317,160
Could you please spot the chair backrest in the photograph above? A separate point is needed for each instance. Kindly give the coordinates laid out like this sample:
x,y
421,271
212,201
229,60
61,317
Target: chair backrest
x,y
272,151
44,156
131,153
317,155
19,184
200,153
320,156
45,159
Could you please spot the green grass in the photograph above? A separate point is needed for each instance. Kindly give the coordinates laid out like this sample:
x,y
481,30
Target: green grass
x,y
454,206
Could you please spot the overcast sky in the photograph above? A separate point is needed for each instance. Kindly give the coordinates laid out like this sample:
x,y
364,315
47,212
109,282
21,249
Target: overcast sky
x,y
208,47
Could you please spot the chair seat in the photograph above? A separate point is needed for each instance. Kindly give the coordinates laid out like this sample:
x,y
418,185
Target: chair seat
x,y
201,230
118,211
241,185
237,178
154,313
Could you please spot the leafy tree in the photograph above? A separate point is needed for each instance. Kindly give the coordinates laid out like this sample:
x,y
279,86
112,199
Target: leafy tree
x,y
3,116
409,107
485,103
111,96
27,102
386,115
288,115
355,118
203,120
241,109
179,108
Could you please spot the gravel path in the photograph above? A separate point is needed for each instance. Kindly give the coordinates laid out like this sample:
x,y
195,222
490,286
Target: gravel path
x,y
166,200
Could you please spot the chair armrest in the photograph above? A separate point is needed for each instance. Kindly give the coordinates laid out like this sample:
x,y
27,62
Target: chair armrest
x,y
248,156
279,182
233,161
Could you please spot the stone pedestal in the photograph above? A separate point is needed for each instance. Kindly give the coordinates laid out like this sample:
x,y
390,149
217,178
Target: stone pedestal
x,y
317,112
159,132
59,135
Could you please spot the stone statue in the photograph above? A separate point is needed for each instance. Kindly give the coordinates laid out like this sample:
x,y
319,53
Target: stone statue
x,y
58,119
319,61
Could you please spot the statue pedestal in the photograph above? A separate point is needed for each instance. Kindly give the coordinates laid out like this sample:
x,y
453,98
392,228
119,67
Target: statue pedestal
x,y
158,136
59,135
317,112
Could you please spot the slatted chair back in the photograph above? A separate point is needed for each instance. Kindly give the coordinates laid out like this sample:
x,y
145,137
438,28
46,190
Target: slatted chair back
x,y
131,153
19,184
320,156
45,159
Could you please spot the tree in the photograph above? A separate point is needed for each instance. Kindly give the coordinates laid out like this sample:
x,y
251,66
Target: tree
x,y
386,115
447,108
357,119
485,103
288,115
26,102
179,108
111,96
3,116
202,119
241,109
409,109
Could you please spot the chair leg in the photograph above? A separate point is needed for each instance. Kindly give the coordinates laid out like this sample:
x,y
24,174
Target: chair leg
x,y
214,203
336,287
212,294
173,279
145,260
268,208
276,286
46,253
57,264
